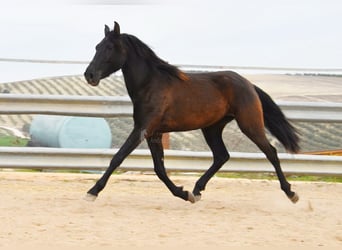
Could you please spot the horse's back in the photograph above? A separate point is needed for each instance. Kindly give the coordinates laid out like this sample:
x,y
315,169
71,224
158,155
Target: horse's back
x,y
233,86
205,98
220,79
238,93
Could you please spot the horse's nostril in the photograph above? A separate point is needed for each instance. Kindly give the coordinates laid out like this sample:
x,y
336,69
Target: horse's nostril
x,y
89,75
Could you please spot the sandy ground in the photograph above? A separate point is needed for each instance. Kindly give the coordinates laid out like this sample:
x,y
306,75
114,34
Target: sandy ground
x,y
47,209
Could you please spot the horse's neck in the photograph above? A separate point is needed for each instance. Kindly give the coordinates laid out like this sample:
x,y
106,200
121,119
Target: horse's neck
x,y
136,74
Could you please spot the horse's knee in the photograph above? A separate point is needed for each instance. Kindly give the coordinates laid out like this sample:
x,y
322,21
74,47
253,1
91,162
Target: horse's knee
x,y
225,157
221,158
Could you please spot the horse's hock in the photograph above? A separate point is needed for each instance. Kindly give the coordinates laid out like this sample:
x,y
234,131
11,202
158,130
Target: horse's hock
x,y
70,132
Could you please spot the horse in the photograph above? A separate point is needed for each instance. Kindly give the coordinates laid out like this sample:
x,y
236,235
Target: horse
x,y
166,99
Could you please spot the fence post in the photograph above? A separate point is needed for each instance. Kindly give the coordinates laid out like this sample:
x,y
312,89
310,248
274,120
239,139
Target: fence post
x,y
166,140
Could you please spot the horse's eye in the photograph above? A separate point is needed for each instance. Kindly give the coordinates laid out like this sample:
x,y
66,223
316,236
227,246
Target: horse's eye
x,y
109,47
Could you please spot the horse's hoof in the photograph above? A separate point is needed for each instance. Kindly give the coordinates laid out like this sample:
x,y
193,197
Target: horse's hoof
x,y
294,198
197,197
193,198
90,197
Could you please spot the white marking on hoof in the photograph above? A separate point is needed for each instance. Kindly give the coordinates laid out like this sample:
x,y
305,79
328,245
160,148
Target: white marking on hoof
x,y
294,198
193,198
198,197
90,197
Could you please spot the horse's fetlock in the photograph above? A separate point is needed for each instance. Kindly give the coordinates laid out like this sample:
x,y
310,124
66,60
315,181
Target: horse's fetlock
x,y
286,187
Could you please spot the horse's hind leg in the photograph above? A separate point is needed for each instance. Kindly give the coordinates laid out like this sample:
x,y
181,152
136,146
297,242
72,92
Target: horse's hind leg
x,y
213,137
253,127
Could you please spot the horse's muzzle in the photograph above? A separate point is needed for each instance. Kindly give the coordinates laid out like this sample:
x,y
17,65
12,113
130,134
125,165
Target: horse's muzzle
x,y
92,78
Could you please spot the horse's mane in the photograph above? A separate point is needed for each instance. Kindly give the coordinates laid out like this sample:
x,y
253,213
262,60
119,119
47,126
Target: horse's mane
x,y
154,62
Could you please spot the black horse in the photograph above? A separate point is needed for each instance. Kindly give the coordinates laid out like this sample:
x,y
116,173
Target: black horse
x,y
165,99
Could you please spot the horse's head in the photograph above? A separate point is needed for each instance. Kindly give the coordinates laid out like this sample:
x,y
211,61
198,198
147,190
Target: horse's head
x,y
109,57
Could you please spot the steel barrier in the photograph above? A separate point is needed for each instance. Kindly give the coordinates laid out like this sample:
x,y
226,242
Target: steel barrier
x,y
107,106
98,159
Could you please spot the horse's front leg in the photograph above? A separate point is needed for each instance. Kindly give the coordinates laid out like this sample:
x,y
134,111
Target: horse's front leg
x,y
134,139
156,147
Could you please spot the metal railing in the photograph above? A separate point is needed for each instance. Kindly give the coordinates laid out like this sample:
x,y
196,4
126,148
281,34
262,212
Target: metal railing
x,y
106,106
184,161
98,159
190,67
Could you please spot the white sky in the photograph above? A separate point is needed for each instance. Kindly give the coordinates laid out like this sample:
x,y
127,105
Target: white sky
x,y
284,33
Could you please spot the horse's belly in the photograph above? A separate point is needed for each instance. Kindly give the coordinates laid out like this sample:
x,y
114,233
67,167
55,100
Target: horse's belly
x,y
194,105
190,118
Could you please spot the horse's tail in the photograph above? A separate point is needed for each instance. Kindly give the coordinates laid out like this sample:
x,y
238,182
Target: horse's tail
x,y
277,124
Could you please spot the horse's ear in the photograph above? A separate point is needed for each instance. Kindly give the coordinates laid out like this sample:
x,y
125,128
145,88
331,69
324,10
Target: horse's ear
x,y
106,30
116,28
